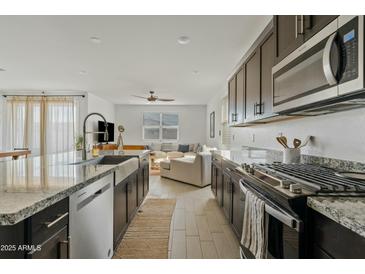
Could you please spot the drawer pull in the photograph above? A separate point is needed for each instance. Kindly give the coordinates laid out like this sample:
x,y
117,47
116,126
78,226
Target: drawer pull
x,y
60,217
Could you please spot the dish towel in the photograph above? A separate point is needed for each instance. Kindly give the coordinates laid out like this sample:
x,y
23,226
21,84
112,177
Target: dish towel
x,y
253,232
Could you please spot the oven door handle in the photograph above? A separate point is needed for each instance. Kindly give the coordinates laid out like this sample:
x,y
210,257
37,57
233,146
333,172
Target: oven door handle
x,y
326,61
282,216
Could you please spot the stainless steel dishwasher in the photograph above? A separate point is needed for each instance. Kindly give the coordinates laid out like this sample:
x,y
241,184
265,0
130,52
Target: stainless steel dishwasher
x,y
91,221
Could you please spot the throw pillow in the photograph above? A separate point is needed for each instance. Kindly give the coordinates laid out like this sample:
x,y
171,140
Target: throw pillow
x,y
183,148
198,148
191,147
155,147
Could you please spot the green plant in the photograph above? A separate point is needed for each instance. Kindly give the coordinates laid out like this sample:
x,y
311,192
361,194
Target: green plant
x,y
79,141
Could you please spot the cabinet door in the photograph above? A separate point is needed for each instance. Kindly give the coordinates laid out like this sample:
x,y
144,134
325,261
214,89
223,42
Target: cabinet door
x,y
252,80
240,96
132,196
267,62
232,101
219,186
214,180
314,23
12,236
140,185
120,212
289,32
146,179
227,199
56,247
238,208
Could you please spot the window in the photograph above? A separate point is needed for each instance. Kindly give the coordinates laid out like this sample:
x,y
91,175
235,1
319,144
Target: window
x,y
160,126
42,124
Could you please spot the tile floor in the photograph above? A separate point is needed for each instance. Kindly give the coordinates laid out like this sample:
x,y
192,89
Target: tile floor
x,y
199,228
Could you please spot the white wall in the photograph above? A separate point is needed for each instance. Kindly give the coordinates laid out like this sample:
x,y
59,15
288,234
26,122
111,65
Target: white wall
x,y
192,122
97,104
340,135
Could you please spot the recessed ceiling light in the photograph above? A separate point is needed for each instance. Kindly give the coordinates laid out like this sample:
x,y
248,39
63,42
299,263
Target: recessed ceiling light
x,y
183,40
83,72
95,40
1,69
195,71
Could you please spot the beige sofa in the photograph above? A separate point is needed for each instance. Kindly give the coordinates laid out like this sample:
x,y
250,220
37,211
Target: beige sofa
x,y
191,170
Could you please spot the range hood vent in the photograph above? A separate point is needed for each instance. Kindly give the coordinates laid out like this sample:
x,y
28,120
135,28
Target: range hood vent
x,y
341,103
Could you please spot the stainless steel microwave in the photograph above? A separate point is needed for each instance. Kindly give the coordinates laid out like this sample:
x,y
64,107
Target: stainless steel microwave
x,y
328,66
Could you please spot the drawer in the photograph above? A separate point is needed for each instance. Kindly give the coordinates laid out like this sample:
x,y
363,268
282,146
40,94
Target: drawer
x,y
228,166
57,247
216,159
49,221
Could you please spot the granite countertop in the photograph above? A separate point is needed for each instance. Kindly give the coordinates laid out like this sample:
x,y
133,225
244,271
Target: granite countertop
x,y
250,155
347,211
29,185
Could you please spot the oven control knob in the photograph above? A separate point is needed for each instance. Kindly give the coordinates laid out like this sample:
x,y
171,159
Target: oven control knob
x,y
285,184
246,167
295,188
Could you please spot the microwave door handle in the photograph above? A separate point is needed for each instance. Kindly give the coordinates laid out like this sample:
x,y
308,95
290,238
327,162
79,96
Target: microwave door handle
x,y
326,61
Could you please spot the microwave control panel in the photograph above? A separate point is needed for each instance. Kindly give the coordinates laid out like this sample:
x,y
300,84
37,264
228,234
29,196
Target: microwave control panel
x,y
348,38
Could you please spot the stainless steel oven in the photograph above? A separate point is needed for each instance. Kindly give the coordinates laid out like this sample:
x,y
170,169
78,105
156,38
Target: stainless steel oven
x,y
283,229
328,65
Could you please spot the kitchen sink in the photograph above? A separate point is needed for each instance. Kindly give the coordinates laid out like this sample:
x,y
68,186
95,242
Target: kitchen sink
x,y
112,160
103,160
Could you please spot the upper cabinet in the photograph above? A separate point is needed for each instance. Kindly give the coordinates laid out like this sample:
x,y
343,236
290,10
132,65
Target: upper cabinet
x,y
240,95
253,86
267,50
291,31
232,101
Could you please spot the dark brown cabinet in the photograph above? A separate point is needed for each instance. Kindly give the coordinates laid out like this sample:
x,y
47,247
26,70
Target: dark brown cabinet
x,y
219,178
131,196
253,86
314,23
146,177
11,236
240,96
289,32
329,239
140,186
267,51
227,195
120,211
238,206
232,101
56,247
213,184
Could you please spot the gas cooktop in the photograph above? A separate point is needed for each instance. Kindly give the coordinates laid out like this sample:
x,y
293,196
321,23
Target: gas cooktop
x,y
305,178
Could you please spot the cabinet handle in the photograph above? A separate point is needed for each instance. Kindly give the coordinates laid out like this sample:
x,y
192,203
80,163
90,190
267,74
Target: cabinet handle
x,y
65,244
59,218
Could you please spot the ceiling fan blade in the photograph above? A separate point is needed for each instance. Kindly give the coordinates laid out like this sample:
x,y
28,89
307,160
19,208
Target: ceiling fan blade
x,y
165,100
140,96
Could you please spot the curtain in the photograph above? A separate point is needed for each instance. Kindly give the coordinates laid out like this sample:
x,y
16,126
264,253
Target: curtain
x,y
42,124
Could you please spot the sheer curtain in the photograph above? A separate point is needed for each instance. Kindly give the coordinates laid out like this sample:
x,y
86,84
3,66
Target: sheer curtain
x,y
43,124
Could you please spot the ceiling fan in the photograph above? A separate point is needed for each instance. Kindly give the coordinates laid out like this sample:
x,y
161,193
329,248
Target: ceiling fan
x,y
154,98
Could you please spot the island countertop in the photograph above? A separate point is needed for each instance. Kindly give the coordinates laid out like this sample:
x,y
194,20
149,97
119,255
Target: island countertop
x,y
347,211
27,186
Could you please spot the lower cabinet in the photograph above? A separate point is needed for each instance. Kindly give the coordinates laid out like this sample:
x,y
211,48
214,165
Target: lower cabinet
x,y
227,195
131,196
146,177
120,212
12,236
329,239
226,186
48,230
238,207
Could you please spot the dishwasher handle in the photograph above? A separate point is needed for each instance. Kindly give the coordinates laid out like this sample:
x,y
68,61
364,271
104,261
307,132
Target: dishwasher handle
x,y
90,198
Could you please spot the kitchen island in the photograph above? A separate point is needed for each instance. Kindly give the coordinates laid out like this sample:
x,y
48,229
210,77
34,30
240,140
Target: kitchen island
x,y
30,187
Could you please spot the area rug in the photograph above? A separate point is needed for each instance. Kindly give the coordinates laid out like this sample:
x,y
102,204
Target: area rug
x,y
147,237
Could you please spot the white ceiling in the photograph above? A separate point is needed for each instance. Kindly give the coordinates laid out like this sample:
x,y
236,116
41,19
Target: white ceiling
x,y
136,54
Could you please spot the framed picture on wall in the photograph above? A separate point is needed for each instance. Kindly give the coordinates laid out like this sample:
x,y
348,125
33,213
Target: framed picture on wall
x,y
212,125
